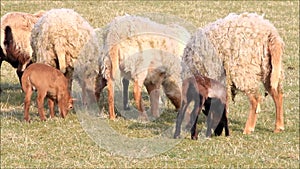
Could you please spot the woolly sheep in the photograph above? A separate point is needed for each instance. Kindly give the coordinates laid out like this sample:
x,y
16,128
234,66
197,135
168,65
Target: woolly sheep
x,y
146,52
62,36
250,50
15,39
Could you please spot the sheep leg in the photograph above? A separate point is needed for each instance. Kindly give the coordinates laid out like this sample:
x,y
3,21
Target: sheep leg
x,y
153,91
222,124
125,94
179,118
61,106
173,93
61,59
181,112
27,99
209,123
87,93
214,111
278,100
40,103
225,120
69,76
84,92
0,67
194,134
175,98
254,106
20,73
193,115
21,68
219,129
226,126
51,107
111,101
199,102
137,93
101,82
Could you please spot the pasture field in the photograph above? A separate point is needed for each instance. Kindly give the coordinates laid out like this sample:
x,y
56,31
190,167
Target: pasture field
x,y
63,143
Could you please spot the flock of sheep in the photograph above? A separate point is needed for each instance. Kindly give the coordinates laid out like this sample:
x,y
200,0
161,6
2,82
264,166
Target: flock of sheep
x,y
208,67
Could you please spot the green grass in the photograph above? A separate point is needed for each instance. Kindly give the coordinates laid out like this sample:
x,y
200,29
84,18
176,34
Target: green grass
x,y
65,143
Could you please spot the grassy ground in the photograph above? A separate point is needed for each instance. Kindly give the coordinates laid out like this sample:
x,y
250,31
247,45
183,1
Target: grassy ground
x,y
65,143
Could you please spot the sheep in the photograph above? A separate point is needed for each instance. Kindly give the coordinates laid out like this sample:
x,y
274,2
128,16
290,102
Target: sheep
x,y
15,39
248,50
207,93
146,52
48,82
62,36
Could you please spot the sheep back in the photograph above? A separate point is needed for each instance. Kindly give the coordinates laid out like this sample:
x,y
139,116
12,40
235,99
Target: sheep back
x,y
21,25
141,43
59,36
242,42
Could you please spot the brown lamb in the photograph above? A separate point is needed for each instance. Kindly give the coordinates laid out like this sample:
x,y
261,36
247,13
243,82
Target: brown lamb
x,y
48,82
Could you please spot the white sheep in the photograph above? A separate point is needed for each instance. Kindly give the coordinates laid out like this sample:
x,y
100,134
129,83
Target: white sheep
x,y
15,39
249,49
139,49
62,36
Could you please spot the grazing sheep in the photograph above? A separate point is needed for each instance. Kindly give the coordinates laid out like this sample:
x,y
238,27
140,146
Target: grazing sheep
x,y
62,36
208,93
48,82
249,49
146,52
15,39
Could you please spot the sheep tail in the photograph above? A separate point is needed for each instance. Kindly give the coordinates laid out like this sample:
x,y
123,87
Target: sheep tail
x,y
275,47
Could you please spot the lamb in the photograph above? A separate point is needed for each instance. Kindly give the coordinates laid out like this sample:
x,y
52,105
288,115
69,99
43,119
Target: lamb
x,y
247,49
15,39
207,93
48,82
62,36
138,49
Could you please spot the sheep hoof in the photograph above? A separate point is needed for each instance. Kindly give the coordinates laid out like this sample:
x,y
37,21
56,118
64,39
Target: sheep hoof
x,y
126,107
112,117
188,127
278,130
176,136
194,137
143,117
248,131
27,120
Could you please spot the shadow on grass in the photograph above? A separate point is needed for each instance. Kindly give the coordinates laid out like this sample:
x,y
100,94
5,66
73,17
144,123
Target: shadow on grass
x,y
11,95
13,114
18,115
9,86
